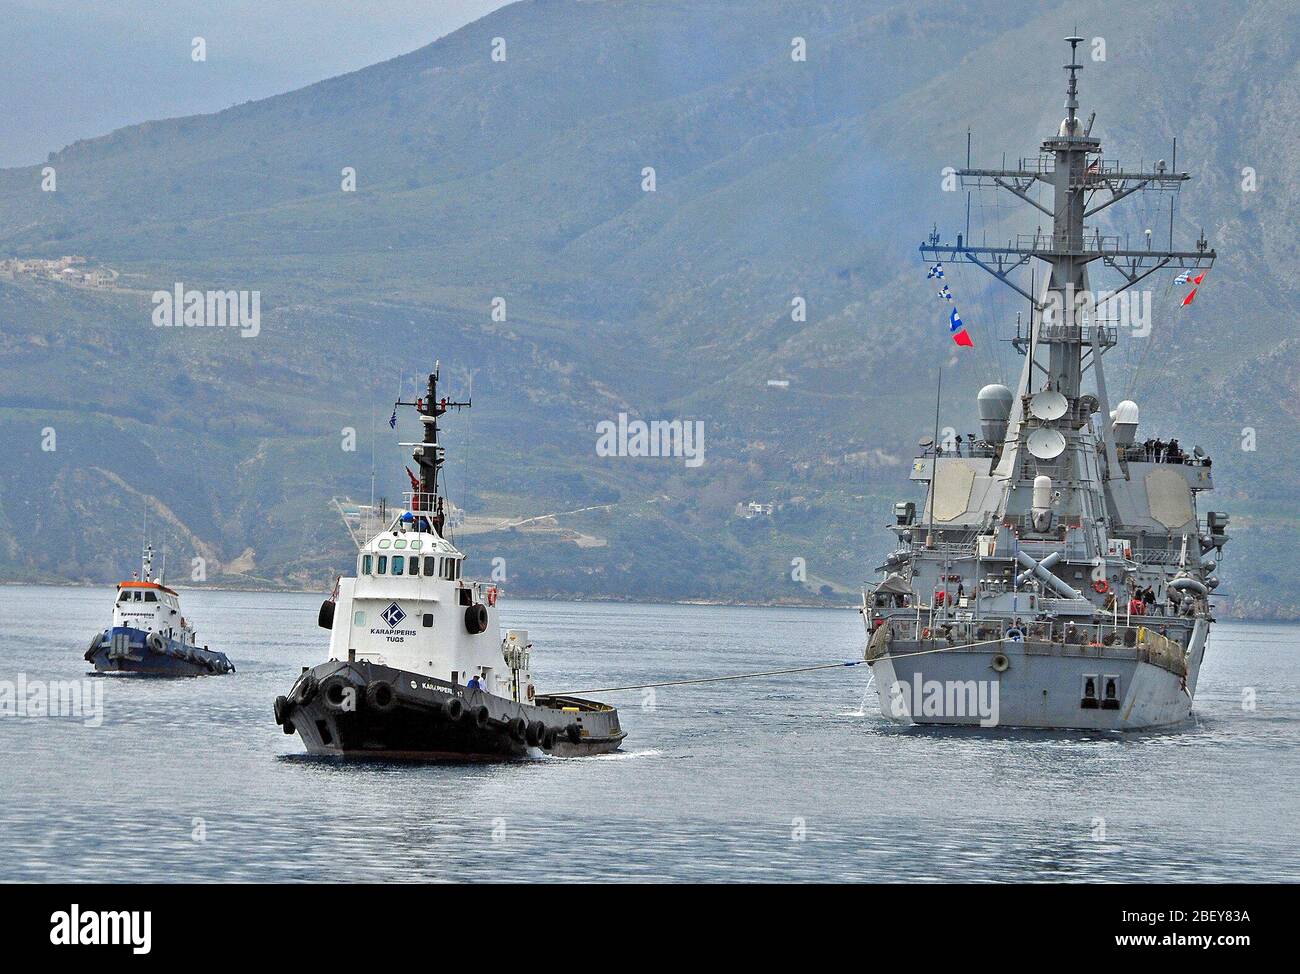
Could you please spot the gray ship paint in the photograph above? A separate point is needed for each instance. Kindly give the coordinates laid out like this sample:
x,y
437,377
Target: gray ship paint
x,y
1057,561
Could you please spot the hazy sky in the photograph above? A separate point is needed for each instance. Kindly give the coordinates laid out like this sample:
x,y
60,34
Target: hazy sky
x,y
73,69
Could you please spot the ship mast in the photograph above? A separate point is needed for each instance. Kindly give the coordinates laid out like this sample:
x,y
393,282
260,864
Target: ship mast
x,y
428,453
1066,339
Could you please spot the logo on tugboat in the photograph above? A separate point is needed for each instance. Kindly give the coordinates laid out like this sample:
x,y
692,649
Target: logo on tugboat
x,y
393,616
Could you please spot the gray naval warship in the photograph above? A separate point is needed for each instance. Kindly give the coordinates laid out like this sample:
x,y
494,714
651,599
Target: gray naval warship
x,y
418,668
1058,574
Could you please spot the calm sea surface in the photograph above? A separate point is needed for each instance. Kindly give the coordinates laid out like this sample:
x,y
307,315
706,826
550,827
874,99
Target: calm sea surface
x,y
781,778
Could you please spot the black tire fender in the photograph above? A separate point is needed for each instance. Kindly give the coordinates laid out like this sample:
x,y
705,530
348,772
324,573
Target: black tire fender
x,y
325,618
476,618
334,690
307,689
574,733
380,696
536,733
454,708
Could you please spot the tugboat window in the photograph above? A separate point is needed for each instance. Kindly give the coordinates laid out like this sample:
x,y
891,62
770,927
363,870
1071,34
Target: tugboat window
x,y
428,620
358,618
150,597
383,565
365,564
430,566
399,563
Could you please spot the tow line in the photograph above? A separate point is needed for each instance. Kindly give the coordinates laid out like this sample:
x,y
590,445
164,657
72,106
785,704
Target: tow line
x,y
714,679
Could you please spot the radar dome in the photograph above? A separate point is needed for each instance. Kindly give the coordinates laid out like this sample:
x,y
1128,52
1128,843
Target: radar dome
x,y
994,402
1125,418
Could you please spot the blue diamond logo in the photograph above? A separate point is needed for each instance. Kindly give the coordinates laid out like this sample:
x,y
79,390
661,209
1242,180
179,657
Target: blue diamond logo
x,y
393,615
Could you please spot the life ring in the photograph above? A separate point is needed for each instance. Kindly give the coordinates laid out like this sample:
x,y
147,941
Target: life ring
x,y
380,696
1101,586
1015,635
532,693
1000,663
925,633
492,596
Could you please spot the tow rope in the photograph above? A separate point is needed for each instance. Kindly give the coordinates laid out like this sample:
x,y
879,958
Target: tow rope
x,y
715,679
795,669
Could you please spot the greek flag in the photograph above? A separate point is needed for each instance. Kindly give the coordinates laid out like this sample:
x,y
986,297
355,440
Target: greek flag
x,y
392,420
935,271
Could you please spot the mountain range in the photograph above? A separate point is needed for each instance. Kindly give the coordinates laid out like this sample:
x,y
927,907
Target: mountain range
x,y
592,208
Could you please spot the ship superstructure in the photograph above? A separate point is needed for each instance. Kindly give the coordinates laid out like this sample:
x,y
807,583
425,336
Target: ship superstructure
x,y
1058,574
418,667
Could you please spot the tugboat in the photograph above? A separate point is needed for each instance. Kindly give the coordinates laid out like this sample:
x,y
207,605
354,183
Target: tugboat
x,y
418,668
149,634
1058,575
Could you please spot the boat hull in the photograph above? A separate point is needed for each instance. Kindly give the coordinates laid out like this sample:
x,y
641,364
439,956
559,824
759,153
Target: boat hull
x,y
124,649
1031,684
366,710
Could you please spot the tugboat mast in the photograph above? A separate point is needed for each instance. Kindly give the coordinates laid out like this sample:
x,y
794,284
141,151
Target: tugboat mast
x,y
428,453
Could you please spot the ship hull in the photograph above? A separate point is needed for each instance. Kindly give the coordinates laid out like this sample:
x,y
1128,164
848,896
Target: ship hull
x,y
124,649
369,711
1031,685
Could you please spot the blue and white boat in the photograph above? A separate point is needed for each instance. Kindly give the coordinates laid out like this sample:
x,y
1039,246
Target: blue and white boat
x,y
149,635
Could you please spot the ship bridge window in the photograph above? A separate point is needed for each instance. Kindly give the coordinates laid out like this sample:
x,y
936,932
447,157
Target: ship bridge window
x,y
382,567
399,563
150,597
416,545
430,566
124,597
399,543
365,564
137,596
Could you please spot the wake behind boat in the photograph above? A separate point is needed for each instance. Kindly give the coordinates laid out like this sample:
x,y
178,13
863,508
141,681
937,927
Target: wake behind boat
x,y
418,668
